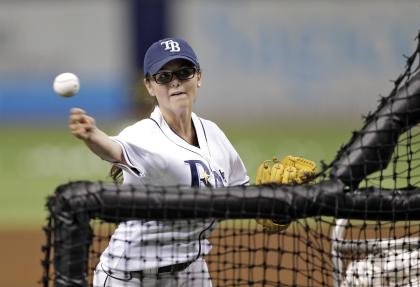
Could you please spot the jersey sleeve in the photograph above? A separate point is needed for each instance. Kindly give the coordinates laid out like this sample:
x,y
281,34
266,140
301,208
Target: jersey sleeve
x,y
238,174
132,151
130,167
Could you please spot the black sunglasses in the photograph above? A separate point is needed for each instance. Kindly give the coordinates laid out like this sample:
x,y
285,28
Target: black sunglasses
x,y
165,77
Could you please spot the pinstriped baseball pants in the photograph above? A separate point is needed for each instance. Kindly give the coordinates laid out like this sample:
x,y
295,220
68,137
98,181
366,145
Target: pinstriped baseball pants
x,y
195,275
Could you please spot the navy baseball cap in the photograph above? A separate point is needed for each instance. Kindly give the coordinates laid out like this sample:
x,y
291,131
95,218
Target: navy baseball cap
x,y
165,50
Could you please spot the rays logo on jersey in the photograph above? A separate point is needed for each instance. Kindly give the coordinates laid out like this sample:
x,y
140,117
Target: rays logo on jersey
x,y
202,175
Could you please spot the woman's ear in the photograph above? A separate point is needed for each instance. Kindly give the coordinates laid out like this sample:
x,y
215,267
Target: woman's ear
x,y
149,87
199,79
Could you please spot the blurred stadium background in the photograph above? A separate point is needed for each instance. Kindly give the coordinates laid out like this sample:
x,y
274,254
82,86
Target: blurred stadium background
x,y
280,77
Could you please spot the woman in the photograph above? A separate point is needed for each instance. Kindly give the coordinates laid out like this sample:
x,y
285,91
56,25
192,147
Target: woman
x,y
172,147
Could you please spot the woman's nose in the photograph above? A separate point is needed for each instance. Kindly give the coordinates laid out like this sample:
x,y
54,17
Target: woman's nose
x,y
175,82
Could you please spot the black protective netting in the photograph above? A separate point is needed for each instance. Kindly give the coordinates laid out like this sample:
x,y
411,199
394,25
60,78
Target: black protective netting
x,y
358,225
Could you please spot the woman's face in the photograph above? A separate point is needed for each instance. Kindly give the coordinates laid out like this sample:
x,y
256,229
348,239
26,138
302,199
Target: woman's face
x,y
175,95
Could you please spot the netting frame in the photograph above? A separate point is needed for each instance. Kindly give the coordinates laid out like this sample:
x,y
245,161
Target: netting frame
x,y
75,204
397,113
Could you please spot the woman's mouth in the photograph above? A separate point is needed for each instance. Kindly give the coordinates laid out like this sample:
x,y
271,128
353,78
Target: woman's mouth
x,y
177,94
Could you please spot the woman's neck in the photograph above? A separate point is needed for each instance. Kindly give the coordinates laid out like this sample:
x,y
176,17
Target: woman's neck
x,y
182,125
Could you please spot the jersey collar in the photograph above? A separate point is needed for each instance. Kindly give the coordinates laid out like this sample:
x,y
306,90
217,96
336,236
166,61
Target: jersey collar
x,y
203,150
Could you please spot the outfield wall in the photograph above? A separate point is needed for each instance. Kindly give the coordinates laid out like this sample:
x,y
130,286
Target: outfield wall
x,y
276,59
41,38
261,59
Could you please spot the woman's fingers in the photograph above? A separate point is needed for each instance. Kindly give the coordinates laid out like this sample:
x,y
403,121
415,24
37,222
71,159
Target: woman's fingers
x,y
77,111
80,124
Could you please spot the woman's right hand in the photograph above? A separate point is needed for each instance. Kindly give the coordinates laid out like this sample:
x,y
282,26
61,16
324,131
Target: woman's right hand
x,y
81,125
84,127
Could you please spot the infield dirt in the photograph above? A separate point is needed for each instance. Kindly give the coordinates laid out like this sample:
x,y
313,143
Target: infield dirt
x,y
21,255
238,258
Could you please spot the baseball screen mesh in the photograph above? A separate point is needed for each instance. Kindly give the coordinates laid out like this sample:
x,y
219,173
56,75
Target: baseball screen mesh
x,y
358,225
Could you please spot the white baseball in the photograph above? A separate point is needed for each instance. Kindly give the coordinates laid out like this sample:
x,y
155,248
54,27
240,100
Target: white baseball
x,y
66,84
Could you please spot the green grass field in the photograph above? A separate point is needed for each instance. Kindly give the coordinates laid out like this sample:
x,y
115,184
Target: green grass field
x,y
35,160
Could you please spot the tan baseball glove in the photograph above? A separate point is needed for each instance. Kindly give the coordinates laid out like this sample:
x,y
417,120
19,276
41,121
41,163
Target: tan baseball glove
x,y
290,170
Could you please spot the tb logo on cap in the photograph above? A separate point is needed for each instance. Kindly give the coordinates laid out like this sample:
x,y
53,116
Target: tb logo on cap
x,y
171,45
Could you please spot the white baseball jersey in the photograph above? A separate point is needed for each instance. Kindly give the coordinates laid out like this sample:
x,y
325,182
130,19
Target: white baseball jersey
x,y
157,156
